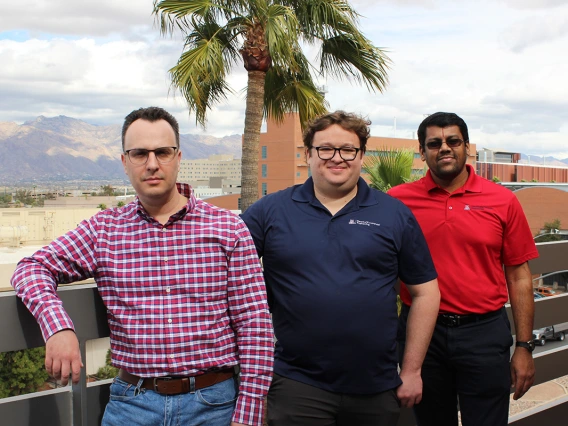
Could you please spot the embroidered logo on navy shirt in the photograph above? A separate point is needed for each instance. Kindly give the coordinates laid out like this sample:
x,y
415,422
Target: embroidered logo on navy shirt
x,y
362,222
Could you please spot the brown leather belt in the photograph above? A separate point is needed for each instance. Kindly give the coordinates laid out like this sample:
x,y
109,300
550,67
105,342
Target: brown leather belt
x,y
176,385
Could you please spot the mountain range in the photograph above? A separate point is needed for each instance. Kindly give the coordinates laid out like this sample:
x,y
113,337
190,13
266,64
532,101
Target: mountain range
x,y
59,149
63,148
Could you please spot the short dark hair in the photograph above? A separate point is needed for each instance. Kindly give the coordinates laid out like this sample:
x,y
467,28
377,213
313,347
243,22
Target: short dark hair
x,y
348,121
150,114
442,119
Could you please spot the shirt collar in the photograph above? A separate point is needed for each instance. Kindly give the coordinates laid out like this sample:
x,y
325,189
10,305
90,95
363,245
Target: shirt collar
x,y
305,193
472,184
185,190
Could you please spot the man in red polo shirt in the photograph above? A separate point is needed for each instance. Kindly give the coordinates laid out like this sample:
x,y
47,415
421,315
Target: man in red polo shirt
x,y
480,242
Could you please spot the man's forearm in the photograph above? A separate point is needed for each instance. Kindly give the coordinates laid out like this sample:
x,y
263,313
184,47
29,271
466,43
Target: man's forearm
x,y
520,288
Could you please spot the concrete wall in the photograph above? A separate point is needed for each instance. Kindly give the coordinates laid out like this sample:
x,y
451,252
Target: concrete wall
x,y
43,224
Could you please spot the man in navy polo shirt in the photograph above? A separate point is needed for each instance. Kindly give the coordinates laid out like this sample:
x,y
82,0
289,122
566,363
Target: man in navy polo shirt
x,y
333,250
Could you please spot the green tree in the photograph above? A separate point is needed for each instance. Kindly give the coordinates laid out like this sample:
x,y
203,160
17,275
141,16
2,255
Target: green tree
x,y
5,199
496,179
24,196
390,167
268,36
120,204
107,190
22,372
102,206
549,232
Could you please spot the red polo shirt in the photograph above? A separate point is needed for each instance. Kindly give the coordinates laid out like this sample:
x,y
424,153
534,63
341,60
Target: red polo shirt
x,y
471,234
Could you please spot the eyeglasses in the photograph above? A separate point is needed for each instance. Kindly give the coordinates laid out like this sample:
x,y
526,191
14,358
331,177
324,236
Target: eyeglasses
x,y
452,143
328,152
139,156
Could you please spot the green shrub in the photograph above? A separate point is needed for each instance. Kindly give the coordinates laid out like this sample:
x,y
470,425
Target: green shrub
x,y
108,371
22,372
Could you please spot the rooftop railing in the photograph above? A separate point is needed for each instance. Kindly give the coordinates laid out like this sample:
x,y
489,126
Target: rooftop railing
x,y
83,404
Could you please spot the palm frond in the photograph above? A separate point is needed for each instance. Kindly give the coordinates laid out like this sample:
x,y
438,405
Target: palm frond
x,y
201,71
348,56
389,167
324,19
281,31
174,13
293,91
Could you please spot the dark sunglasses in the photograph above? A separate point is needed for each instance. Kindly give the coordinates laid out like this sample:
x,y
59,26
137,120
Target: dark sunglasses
x,y
452,143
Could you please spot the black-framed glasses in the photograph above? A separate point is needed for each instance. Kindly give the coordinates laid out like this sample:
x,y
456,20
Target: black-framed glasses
x,y
327,152
139,156
437,144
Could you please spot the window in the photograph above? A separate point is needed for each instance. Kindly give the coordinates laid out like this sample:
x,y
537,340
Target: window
x,y
264,170
298,155
298,174
263,155
264,188
417,155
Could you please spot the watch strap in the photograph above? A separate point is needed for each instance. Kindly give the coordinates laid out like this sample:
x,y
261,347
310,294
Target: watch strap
x,y
527,345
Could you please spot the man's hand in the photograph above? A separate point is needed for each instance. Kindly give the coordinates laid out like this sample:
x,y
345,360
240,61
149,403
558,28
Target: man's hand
x,y
410,392
522,372
63,357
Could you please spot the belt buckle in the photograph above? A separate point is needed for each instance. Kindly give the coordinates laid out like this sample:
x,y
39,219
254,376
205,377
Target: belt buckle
x,y
166,378
453,320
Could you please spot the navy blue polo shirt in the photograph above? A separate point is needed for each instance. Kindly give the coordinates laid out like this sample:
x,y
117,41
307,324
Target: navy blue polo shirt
x,y
330,282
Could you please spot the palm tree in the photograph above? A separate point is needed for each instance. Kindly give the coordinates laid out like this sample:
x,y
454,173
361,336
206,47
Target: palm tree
x,y
390,167
268,37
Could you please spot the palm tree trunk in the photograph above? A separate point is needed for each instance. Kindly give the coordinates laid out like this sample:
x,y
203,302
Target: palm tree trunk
x,y
251,138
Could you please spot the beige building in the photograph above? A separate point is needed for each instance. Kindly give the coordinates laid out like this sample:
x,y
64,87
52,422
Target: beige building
x,y
219,165
22,232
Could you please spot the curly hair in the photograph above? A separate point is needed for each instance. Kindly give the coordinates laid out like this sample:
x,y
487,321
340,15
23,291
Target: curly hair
x,y
348,121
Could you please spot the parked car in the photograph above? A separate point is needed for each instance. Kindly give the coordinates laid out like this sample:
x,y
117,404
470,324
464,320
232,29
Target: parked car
x,y
546,291
541,335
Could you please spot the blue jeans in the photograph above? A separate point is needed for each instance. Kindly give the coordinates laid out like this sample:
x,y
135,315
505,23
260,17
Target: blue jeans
x,y
131,405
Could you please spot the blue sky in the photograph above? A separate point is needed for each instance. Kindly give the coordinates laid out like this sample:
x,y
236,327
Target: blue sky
x,y
500,64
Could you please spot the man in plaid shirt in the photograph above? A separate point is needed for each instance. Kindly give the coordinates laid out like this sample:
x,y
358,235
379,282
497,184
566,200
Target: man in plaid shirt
x,y
183,288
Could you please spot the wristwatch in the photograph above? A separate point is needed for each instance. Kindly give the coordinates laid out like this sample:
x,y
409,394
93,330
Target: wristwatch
x,y
529,346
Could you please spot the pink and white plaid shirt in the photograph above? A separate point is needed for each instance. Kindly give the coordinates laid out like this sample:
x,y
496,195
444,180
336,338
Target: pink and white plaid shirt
x,y
182,298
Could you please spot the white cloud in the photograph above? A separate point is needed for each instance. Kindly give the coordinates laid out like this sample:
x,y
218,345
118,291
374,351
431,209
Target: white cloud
x,y
537,30
69,17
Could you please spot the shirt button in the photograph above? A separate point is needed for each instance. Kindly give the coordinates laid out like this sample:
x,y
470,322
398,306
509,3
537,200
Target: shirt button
x,y
172,356
170,320
164,229
166,259
450,207
167,290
